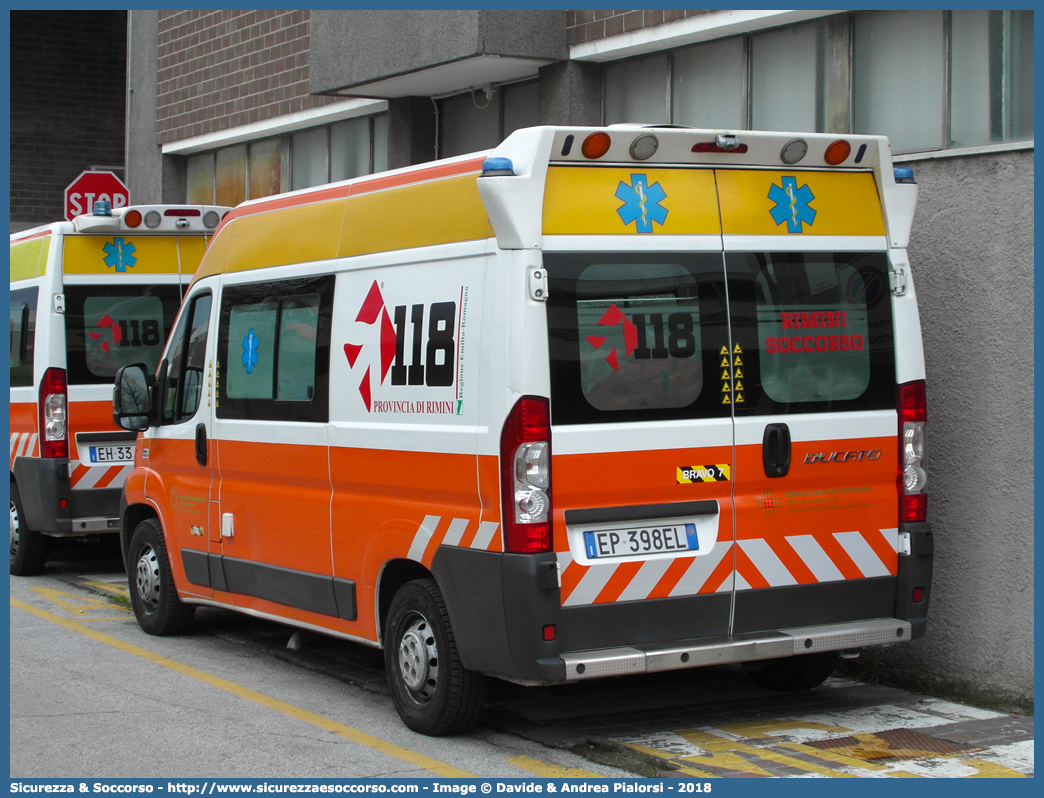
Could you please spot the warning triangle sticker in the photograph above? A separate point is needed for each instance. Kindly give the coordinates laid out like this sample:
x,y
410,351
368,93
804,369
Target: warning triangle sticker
x,y
739,398
724,362
738,348
725,375
739,373
739,385
725,387
725,400
724,350
736,361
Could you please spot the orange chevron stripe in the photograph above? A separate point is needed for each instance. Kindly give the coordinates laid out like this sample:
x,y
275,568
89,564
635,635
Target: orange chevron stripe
x,y
620,579
881,547
571,577
720,573
749,571
671,577
109,476
792,561
78,474
836,552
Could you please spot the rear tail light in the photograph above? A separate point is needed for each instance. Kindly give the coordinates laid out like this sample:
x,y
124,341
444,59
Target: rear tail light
x,y
913,475
525,476
54,414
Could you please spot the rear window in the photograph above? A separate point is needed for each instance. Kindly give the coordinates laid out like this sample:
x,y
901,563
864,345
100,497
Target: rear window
x,y
632,336
111,326
822,324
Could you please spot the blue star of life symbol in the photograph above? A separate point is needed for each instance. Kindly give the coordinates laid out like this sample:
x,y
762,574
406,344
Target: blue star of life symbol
x,y
250,344
641,203
120,254
792,204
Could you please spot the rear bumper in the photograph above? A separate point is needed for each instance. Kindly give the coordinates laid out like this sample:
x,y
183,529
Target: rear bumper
x,y
499,604
651,658
44,486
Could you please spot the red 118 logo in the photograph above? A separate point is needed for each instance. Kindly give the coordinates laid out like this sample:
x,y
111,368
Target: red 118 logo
x,y
435,339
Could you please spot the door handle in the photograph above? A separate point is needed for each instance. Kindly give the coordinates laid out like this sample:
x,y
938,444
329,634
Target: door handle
x,y
775,450
201,444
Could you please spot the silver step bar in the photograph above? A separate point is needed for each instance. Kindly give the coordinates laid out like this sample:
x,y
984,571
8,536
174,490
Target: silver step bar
x,y
653,657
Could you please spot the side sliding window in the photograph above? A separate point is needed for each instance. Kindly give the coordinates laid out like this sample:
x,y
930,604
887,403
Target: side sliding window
x,y
274,350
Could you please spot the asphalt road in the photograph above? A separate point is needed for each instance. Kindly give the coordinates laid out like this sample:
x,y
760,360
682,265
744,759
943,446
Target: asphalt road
x,y
93,696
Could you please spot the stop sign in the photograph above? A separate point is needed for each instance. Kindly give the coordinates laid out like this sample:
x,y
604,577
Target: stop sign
x,y
89,187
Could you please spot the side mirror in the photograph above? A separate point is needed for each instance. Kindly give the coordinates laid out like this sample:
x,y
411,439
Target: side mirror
x,y
133,402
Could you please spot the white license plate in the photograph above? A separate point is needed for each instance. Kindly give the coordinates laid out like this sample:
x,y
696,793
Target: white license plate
x,y
631,541
101,455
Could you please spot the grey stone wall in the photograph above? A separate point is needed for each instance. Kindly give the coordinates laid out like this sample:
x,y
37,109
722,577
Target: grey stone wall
x,y
971,254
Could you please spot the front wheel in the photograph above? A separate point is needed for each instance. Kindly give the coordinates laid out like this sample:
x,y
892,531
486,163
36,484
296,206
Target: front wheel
x,y
433,692
156,604
792,674
28,548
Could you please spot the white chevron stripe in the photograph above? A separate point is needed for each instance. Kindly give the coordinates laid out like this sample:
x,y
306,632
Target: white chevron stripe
x,y
455,532
591,584
702,567
15,436
484,535
645,580
767,563
862,555
423,536
817,560
892,536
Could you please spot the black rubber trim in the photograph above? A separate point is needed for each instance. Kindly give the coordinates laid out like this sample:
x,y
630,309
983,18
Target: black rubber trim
x,y
915,571
95,503
499,605
94,437
43,482
628,623
325,595
197,569
773,608
641,512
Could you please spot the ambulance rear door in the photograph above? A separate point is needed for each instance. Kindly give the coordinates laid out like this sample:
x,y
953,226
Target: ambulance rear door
x,y
812,380
640,407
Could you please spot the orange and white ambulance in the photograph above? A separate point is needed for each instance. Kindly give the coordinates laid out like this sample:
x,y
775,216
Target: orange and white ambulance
x,y
87,297
601,401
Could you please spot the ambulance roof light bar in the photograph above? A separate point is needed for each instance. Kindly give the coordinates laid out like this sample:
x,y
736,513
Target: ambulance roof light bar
x,y
150,218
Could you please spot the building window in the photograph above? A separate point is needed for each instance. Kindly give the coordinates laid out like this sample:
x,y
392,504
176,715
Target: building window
x,y
473,121
288,162
929,80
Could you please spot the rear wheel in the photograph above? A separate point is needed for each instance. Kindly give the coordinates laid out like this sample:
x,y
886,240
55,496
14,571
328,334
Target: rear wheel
x,y
433,693
28,548
792,674
156,604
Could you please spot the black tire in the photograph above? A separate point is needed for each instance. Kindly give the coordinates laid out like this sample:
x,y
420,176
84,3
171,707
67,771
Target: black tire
x,y
28,548
155,600
792,674
433,692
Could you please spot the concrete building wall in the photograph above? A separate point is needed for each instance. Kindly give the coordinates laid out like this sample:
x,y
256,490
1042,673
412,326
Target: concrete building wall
x,y
971,254
67,110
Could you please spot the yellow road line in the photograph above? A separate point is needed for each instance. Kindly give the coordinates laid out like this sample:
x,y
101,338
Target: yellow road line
x,y
356,736
113,588
548,771
80,605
